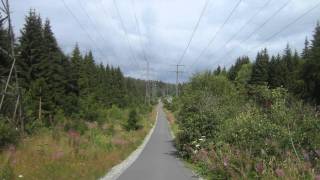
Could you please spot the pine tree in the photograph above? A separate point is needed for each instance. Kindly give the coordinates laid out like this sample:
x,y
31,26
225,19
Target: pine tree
x,y
311,69
30,49
76,61
236,68
275,72
52,69
287,58
217,71
260,68
4,59
305,52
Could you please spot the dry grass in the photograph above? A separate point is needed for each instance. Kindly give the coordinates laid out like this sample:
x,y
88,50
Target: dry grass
x,y
172,122
43,156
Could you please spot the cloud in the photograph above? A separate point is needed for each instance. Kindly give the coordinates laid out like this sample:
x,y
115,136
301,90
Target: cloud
x,y
166,26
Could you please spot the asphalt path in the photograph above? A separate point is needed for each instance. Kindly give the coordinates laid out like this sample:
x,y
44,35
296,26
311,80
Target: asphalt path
x,y
158,160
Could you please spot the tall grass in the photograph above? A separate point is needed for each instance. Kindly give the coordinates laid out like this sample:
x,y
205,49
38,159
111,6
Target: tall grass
x,y
57,154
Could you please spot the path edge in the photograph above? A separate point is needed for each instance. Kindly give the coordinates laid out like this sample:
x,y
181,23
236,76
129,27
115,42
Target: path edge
x,y
117,170
173,136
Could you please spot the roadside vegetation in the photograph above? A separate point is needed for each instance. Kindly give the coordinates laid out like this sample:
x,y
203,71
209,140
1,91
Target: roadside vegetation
x,y
255,120
59,154
73,118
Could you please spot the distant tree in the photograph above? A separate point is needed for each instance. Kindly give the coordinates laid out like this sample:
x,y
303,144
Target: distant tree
x,y
311,69
275,72
306,50
76,61
260,68
217,71
244,74
232,74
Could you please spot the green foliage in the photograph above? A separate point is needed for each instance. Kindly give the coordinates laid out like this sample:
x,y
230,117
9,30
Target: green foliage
x,y
79,126
132,123
8,134
253,129
263,126
260,68
54,85
6,171
234,70
244,74
311,69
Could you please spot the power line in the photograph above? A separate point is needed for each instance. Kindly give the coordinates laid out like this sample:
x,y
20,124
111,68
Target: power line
x,y
217,32
285,27
260,27
245,24
147,96
82,27
267,21
95,27
177,72
125,31
194,30
139,31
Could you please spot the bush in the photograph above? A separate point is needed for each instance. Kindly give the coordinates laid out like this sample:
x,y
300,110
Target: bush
x,y
79,126
132,123
6,171
8,134
116,114
251,129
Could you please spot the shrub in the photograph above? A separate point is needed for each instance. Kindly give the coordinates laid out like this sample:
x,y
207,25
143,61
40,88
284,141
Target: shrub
x,y
251,129
77,125
115,113
6,171
132,123
8,134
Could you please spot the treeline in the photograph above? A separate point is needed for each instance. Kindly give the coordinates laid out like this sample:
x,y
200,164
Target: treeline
x,y
297,73
53,84
255,120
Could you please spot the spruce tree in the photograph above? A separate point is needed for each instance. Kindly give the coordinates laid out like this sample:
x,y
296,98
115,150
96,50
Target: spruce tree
x,y
4,59
52,69
311,69
260,68
30,49
275,72
76,61
232,74
217,71
305,52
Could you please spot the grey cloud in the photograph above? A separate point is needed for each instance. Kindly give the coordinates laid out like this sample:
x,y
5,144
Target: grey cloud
x,y
166,26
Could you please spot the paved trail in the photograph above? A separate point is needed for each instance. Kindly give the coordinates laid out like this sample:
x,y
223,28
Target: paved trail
x,y
158,161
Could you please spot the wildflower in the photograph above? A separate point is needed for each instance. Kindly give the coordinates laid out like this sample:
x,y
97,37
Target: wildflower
x,y
57,155
225,161
197,145
259,167
306,156
20,176
201,139
279,172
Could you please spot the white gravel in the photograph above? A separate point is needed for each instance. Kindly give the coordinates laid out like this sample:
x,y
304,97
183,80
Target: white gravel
x,y
117,170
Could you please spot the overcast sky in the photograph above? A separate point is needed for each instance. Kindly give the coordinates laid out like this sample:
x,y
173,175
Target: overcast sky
x,y
166,27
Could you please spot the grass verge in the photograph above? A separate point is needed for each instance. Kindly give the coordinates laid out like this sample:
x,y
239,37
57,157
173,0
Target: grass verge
x,y
56,154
